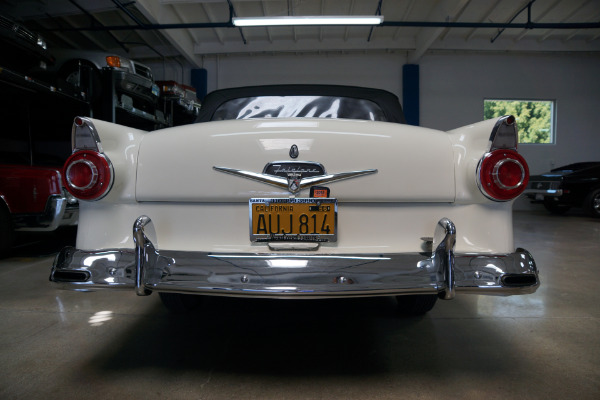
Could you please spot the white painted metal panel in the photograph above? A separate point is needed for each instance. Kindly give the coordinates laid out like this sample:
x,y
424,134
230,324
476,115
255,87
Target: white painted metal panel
x,y
414,164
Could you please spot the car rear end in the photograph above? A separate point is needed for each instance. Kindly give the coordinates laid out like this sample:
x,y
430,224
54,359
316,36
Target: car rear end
x,y
187,210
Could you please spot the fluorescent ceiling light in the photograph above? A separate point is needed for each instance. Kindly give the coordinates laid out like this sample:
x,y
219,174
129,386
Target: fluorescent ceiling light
x,y
314,20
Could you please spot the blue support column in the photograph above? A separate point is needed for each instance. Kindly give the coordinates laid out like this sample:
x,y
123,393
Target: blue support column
x,y
410,93
199,78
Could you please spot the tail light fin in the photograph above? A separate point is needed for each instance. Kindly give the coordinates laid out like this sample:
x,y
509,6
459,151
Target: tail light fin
x,y
502,173
88,173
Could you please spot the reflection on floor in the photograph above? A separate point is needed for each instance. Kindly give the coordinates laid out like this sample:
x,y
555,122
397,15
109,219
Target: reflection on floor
x,y
62,345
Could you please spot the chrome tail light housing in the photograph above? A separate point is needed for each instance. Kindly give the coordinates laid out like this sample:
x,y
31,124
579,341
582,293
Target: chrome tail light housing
x,y
88,173
502,173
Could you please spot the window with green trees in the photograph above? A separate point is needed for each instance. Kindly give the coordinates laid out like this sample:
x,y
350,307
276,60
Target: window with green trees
x,y
535,118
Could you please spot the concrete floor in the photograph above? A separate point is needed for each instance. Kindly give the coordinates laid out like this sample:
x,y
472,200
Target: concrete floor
x,y
114,345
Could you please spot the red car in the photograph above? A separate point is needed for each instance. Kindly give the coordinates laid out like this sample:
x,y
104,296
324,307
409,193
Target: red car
x,y
34,144
32,199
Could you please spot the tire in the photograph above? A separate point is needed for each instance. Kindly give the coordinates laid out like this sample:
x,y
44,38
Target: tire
x,y
178,303
416,304
554,207
6,231
591,204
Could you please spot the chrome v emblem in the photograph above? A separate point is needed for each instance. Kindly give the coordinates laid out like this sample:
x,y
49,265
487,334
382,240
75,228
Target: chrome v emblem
x,y
295,183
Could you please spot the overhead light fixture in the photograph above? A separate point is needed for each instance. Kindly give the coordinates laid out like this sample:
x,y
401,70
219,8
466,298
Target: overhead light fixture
x,y
313,20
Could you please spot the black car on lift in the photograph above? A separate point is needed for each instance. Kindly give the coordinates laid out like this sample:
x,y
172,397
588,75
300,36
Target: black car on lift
x,y
573,185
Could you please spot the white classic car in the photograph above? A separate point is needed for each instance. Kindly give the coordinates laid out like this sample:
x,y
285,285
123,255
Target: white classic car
x,y
297,192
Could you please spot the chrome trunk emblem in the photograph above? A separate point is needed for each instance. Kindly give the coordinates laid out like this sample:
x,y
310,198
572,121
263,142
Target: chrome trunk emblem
x,y
294,152
294,176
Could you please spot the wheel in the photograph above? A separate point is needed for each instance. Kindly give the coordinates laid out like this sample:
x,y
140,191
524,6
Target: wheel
x,y
554,207
178,303
591,203
416,304
6,230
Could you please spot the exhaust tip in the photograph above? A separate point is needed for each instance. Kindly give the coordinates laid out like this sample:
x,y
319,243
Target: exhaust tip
x,y
70,276
514,280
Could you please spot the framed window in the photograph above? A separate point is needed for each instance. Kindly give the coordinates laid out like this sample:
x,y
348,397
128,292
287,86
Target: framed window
x,y
535,118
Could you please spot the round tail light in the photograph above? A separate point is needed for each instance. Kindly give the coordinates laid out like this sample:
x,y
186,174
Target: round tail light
x,y
87,175
502,175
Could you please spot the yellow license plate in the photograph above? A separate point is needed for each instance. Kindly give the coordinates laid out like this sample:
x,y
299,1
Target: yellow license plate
x,y
305,219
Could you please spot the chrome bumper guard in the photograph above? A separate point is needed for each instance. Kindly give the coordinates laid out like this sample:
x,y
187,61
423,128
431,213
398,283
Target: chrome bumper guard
x,y
440,272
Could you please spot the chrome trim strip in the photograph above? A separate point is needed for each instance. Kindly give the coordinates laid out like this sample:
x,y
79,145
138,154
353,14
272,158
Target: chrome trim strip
x,y
304,183
320,180
549,192
294,246
85,136
268,179
504,135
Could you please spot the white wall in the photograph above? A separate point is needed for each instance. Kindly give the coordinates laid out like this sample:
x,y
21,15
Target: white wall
x,y
453,87
377,70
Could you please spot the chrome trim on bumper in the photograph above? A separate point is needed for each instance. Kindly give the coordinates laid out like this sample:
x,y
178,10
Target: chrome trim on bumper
x,y
296,275
547,192
52,217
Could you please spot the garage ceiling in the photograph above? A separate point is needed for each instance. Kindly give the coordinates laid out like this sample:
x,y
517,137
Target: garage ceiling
x,y
194,29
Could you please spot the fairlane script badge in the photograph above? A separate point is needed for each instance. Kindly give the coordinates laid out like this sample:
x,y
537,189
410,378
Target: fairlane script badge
x,y
294,176
299,168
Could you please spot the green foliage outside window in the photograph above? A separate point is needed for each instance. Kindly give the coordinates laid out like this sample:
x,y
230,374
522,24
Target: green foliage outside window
x,y
534,118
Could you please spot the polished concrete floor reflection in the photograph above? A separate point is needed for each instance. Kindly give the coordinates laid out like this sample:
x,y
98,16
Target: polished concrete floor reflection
x,y
114,345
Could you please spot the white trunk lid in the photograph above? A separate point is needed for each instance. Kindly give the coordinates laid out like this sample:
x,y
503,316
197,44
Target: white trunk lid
x,y
413,164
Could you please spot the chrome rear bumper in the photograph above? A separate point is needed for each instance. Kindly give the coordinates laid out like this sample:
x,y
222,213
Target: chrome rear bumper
x,y
295,275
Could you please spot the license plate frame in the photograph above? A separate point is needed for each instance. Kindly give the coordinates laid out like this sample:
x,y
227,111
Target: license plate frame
x,y
320,213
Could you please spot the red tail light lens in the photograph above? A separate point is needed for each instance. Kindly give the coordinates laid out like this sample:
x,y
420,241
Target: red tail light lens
x,y
503,175
87,175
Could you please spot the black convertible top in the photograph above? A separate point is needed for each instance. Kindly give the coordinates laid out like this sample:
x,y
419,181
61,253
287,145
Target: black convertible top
x,y
386,101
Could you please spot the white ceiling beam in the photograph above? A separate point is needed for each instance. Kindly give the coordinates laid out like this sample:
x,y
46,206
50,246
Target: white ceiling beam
x,y
322,13
593,18
458,15
265,13
565,19
593,38
404,18
485,18
158,13
307,45
403,45
211,18
350,12
444,11
538,19
507,44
